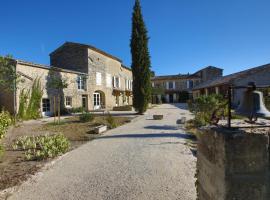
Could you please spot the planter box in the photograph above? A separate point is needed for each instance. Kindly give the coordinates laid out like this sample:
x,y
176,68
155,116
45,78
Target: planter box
x,y
100,129
181,121
157,117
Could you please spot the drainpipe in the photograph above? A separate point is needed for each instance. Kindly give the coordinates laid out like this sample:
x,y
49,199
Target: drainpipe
x,y
15,94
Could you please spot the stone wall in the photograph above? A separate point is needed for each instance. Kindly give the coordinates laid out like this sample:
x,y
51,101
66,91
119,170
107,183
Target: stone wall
x,y
72,57
106,65
31,72
210,73
233,165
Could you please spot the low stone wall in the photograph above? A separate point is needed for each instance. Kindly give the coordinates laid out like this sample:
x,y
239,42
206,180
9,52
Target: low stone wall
x,y
233,165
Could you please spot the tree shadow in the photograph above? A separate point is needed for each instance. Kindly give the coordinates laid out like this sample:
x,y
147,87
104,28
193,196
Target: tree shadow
x,y
55,91
165,127
148,135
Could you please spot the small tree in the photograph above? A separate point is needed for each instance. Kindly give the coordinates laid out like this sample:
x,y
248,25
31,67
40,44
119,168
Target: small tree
x,y
8,75
9,78
140,61
56,83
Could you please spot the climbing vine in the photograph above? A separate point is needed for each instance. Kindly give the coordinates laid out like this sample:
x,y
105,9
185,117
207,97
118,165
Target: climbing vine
x,y
29,107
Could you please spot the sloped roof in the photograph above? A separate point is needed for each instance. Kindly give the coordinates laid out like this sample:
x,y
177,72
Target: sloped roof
x,y
230,78
178,76
208,67
86,46
48,67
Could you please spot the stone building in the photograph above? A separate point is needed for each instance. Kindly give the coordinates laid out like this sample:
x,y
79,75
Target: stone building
x,y
260,75
96,80
178,88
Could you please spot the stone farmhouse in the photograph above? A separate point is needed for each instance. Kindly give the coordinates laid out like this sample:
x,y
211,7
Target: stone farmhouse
x,y
96,80
260,75
178,88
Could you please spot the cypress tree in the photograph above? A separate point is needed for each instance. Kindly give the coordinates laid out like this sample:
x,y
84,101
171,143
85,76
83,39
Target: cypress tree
x,y
140,61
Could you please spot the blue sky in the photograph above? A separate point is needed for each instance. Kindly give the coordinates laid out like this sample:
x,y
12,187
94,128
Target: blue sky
x,y
185,35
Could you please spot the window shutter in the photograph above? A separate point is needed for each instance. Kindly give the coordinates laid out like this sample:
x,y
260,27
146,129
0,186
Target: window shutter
x,y
114,81
174,85
98,78
119,82
108,80
167,85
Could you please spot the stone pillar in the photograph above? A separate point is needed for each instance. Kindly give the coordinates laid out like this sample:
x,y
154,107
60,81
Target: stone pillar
x,y
206,91
174,98
217,90
233,165
167,98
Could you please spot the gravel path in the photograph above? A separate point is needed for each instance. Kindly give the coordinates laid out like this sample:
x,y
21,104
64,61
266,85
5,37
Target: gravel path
x,y
142,160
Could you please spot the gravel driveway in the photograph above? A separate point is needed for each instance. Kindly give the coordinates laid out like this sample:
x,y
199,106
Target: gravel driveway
x,y
142,160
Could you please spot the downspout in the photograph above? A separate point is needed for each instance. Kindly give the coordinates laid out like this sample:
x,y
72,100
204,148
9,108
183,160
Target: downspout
x,y
15,94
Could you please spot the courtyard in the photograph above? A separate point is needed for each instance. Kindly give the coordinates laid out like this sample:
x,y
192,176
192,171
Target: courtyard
x,y
144,159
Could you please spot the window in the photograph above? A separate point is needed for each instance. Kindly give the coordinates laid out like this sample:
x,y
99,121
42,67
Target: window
x,y
171,85
81,81
189,84
109,80
46,106
98,78
128,84
68,101
116,82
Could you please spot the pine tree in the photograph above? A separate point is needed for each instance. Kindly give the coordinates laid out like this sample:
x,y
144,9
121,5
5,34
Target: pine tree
x,y
140,61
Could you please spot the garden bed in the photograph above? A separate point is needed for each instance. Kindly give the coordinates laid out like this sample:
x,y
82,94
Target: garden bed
x,y
14,168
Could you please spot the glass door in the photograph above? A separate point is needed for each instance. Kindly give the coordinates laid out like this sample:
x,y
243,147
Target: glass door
x,y
97,101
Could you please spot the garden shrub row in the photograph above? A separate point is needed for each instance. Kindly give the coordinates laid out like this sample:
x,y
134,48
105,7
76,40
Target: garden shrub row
x,y
122,108
42,147
86,117
5,122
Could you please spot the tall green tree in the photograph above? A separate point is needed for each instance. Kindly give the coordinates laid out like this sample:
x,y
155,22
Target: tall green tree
x,y
140,61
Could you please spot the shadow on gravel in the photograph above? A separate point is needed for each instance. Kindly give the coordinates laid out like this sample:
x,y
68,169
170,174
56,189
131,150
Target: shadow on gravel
x,y
154,135
165,143
166,127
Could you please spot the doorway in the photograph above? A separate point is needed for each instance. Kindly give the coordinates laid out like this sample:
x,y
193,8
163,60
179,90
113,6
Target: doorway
x,y
46,107
171,98
85,102
97,101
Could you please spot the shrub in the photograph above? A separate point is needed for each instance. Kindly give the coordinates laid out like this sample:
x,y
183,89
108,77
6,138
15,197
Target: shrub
x,y
24,95
5,122
76,110
29,105
183,97
42,147
33,109
204,106
2,150
111,121
122,108
86,117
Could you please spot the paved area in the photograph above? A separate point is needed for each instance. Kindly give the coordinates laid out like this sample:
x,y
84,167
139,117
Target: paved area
x,y
142,160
